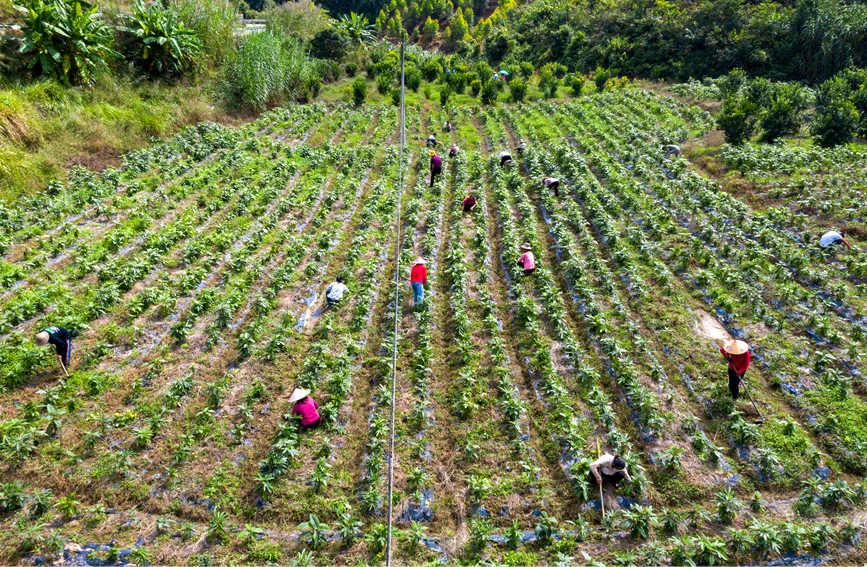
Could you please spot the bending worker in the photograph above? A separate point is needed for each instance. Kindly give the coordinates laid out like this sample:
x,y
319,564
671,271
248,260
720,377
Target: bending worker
x,y
527,261
505,157
453,151
737,353
469,203
436,167
335,291
431,141
62,341
608,469
671,150
831,238
552,184
306,407
447,127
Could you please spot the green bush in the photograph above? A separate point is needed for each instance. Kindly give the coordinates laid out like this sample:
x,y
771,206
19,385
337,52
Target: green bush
x,y
600,78
517,89
445,93
527,69
836,116
548,81
412,78
431,69
383,84
783,116
576,84
394,93
164,46
359,90
737,118
475,87
350,69
65,39
488,94
213,21
430,29
329,44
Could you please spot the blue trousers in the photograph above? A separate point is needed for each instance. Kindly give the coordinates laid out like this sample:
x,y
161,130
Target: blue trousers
x,y
417,293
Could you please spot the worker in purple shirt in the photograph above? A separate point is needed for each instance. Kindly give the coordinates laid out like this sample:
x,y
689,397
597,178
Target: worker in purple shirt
x,y
436,167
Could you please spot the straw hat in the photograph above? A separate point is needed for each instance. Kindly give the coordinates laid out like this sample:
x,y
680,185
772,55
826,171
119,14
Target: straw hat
x,y
419,260
42,337
298,394
526,246
736,346
432,153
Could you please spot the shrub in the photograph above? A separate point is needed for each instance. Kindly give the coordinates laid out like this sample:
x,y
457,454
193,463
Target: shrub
x,y
430,29
65,39
359,90
836,116
737,118
548,82
214,23
517,89
430,70
329,44
350,69
475,87
394,93
489,92
783,116
445,93
527,70
600,78
383,84
164,45
576,84
412,78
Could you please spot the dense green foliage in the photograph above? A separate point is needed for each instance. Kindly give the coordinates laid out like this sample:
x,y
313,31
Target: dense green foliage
x,y
165,45
65,39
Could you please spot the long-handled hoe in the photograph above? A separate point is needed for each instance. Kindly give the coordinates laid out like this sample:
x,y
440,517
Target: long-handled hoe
x,y
63,366
601,495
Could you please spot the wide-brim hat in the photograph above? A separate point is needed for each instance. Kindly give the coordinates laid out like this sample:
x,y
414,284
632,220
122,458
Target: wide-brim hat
x,y
298,394
432,153
736,346
526,246
419,260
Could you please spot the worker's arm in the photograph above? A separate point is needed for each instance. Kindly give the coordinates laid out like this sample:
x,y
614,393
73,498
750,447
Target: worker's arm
x,y
474,205
846,242
594,470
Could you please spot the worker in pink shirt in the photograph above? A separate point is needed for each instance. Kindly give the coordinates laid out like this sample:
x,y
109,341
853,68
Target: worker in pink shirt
x,y
527,261
306,407
436,167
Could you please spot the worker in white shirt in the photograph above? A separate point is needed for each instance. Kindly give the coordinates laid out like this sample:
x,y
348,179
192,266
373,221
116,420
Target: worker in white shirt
x,y
831,238
335,291
608,469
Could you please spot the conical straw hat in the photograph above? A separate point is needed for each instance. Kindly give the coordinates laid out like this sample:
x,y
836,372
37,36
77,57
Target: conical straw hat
x,y
736,346
298,394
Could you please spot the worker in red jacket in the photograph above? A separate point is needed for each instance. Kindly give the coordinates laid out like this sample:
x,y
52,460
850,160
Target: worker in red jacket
x,y
469,203
418,278
737,353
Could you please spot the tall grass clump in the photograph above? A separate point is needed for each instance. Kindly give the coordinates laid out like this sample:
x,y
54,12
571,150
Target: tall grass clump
x,y
265,69
214,22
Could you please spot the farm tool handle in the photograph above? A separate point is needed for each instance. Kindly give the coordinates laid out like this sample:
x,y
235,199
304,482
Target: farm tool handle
x,y
63,366
744,382
388,545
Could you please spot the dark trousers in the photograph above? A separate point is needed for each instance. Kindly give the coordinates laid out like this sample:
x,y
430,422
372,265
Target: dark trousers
x,y
433,175
505,160
313,425
734,383
331,302
608,479
529,272
555,187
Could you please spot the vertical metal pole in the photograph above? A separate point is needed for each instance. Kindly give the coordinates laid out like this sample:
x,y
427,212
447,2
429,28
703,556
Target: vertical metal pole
x,y
396,305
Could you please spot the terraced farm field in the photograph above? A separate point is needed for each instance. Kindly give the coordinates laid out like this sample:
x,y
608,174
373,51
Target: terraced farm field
x,y
194,277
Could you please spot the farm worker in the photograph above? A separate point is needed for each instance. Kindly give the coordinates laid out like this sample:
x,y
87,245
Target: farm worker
x,y
469,203
417,279
831,238
62,341
305,406
737,353
335,291
608,469
453,151
671,150
447,126
527,261
522,145
505,157
431,141
553,184
436,166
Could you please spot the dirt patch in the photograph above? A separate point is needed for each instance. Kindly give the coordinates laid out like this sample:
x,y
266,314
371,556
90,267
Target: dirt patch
x,y
709,327
96,158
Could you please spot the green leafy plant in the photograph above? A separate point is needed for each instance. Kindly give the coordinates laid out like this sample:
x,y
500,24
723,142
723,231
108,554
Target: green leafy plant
x,y
313,531
164,45
65,39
